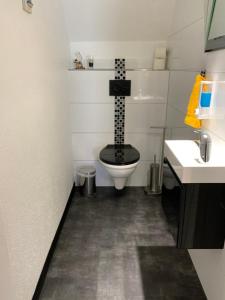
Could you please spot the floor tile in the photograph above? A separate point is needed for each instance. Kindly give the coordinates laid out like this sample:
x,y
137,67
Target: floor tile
x,y
119,246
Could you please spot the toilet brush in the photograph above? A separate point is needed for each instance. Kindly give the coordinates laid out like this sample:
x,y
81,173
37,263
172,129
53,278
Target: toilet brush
x,y
154,185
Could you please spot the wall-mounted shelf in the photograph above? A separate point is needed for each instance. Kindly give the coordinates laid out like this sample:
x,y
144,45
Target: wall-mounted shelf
x,y
111,69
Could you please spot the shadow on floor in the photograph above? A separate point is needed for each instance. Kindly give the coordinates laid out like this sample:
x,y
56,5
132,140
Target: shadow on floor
x,y
168,273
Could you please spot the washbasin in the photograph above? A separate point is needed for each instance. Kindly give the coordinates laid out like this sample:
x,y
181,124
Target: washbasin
x,y
184,158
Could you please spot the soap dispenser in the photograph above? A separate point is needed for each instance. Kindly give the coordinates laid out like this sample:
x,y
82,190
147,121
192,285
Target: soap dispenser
x,y
205,101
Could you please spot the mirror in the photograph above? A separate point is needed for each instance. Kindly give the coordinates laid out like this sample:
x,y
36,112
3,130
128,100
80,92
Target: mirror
x,y
215,32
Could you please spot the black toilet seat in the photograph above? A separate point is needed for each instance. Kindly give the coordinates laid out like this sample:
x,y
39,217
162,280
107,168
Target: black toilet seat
x,y
119,155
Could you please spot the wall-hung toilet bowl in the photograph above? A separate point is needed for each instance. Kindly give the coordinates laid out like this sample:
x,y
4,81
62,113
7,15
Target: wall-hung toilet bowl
x,y
120,161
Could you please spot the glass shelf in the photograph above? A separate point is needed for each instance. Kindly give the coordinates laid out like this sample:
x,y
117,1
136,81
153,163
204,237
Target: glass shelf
x,y
111,69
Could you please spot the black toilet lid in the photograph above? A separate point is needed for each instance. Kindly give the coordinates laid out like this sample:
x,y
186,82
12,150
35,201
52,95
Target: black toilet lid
x,y
119,155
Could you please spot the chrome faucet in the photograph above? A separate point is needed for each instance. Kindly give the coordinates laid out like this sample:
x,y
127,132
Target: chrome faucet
x,y
205,144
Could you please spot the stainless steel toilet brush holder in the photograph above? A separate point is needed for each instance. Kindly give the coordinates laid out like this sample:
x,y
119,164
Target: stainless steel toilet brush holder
x,y
154,184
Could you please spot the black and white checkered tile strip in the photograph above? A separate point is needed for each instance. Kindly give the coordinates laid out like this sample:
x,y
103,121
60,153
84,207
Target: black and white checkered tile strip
x,y
120,74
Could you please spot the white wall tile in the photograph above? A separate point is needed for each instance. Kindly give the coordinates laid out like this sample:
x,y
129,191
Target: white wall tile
x,y
186,13
150,86
88,146
139,118
92,117
186,48
100,117
140,175
138,178
187,59
92,109
102,176
148,144
111,49
175,118
187,52
137,53
185,133
181,85
215,61
93,86
216,127
90,86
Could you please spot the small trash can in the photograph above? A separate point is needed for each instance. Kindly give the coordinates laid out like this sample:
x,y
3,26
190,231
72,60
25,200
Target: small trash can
x,y
86,181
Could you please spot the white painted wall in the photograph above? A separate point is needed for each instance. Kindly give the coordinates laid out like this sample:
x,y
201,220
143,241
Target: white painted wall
x,y
116,20
92,109
35,154
186,45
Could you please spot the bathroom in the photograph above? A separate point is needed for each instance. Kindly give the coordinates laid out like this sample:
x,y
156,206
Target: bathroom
x,y
120,243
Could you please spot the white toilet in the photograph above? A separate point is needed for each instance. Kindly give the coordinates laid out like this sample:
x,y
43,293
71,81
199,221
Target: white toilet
x,y
120,161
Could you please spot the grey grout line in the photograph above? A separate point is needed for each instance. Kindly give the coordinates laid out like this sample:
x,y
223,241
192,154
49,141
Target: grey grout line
x,y
185,27
127,102
185,70
91,132
107,103
111,132
96,160
215,72
167,101
177,109
179,127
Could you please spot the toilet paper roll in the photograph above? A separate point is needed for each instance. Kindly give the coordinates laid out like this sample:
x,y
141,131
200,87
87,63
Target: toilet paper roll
x,y
160,52
159,64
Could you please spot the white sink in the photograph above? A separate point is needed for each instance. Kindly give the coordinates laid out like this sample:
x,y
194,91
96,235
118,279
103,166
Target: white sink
x,y
184,157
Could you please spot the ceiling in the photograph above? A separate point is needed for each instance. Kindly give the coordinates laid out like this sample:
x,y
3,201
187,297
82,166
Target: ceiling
x,y
118,20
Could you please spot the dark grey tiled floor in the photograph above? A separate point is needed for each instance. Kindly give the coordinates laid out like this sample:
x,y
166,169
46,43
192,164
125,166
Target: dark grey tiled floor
x,y
168,273
119,247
